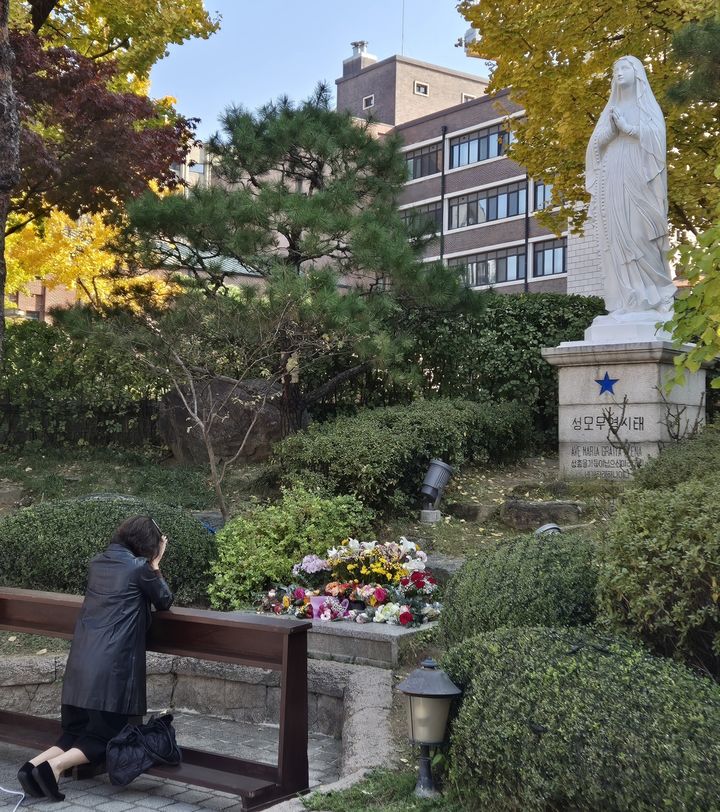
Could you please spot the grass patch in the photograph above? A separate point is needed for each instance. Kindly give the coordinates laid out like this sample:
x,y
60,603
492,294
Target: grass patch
x,y
148,473
535,479
381,791
15,643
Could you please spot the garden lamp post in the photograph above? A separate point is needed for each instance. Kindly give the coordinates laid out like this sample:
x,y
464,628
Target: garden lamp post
x,y
430,692
436,479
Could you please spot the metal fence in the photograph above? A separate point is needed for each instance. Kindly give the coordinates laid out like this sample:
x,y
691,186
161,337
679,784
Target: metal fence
x,y
50,423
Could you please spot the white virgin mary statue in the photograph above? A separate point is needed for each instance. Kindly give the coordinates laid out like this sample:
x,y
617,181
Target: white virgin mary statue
x,y
627,178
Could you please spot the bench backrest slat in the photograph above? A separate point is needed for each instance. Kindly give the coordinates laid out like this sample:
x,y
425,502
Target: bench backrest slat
x,y
229,637
264,642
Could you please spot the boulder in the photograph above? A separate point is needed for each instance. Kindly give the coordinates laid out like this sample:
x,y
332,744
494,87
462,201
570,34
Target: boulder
x,y
522,515
236,404
471,511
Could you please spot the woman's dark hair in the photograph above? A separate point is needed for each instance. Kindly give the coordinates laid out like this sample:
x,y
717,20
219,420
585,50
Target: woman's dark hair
x,y
140,535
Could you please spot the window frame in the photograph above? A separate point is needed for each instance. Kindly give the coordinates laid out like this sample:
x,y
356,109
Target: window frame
x,y
417,83
424,158
434,211
478,142
499,275
508,198
372,103
547,199
543,247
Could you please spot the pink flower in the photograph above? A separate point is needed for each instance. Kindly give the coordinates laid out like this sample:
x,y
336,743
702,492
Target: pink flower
x,y
380,594
299,594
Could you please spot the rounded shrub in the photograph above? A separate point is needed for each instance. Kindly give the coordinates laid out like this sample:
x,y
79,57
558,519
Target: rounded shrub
x,y
525,581
569,719
48,546
695,458
381,455
660,570
260,547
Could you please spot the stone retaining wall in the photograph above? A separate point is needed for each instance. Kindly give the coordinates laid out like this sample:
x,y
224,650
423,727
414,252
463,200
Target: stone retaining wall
x,y
345,701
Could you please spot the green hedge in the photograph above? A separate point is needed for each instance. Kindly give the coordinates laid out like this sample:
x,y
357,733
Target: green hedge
x,y
689,459
58,389
569,719
381,455
496,352
48,546
260,548
526,581
660,570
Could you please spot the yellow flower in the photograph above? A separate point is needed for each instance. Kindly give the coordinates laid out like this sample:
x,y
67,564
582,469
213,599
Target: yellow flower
x,y
286,601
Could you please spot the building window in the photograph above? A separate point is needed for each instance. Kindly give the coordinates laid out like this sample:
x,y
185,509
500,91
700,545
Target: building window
x,y
504,265
424,161
198,169
421,217
467,97
368,101
479,146
549,257
543,195
497,203
422,89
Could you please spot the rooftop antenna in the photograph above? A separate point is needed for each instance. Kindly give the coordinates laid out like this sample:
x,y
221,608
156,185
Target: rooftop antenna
x,y
402,35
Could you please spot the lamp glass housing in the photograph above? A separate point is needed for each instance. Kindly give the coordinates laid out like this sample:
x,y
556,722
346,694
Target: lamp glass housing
x,y
427,718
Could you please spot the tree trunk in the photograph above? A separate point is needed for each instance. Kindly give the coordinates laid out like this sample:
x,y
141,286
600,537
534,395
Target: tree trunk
x,y
292,407
215,477
9,149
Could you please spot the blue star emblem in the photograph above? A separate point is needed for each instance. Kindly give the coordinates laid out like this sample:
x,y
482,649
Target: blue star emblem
x,y
606,384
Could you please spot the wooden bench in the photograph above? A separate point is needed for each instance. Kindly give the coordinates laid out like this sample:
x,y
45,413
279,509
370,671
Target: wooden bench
x,y
263,642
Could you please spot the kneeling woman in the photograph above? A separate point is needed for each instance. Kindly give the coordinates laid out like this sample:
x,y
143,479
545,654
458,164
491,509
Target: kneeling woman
x,y
104,681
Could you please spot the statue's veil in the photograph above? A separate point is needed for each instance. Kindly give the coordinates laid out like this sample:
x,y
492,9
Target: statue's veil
x,y
652,126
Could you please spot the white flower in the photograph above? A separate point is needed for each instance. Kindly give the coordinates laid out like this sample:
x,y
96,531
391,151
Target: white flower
x,y
332,553
354,545
430,611
407,546
414,565
387,613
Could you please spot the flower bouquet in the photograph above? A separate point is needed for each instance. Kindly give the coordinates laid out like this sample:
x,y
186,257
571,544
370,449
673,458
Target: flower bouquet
x,y
373,562
312,571
367,582
288,600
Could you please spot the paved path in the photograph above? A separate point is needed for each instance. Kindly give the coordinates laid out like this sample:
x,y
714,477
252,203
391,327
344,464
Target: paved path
x,y
257,742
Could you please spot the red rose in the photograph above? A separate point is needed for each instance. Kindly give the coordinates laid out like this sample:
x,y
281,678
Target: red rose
x,y
417,576
404,581
405,618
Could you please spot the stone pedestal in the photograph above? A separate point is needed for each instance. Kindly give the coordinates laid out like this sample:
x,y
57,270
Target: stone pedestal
x,y
624,383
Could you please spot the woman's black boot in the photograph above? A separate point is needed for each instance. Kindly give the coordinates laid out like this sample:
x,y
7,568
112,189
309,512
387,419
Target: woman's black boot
x,y
27,782
47,782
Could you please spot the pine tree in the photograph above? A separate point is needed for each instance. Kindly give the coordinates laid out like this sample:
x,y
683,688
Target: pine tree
x,y
698,46
307,200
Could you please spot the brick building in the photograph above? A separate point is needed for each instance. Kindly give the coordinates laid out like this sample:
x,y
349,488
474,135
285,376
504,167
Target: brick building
x,y
482,203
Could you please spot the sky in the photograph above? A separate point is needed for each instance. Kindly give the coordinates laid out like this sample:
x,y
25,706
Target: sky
x,y
274,47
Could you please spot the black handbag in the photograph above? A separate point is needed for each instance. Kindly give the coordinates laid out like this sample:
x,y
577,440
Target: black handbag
x,y
136,748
